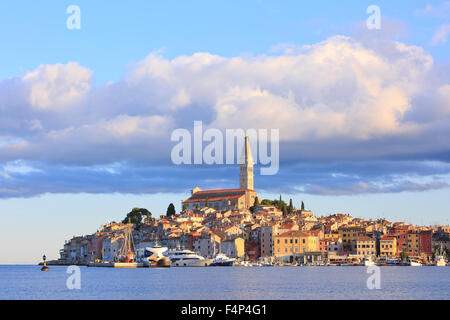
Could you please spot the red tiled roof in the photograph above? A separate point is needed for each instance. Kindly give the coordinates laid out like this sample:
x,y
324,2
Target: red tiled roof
x,y
221,191
287,226
212,199
365,239
296,233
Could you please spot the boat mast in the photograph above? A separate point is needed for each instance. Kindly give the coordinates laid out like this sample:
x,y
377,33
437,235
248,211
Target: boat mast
x,y
128,243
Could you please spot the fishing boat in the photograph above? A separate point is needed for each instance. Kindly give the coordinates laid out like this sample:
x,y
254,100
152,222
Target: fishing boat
x,y
126,252
221,260
439,261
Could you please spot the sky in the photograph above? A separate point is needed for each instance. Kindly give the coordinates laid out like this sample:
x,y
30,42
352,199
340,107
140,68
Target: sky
x,y
86,115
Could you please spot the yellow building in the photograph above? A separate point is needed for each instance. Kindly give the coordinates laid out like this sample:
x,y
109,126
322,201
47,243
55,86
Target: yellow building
x,y
388,246
350,234
331,237
234,248
295,242
413,243
365,246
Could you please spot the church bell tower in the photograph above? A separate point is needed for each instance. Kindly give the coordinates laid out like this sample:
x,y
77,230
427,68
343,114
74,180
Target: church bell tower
x,y
246,169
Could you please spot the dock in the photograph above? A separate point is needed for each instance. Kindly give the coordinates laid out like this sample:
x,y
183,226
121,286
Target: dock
x,y
116,265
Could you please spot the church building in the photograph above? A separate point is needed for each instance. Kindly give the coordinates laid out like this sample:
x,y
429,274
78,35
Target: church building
x,y
226,199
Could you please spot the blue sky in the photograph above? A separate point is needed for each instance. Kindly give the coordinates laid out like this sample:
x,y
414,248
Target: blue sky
x,y
115,34
86,115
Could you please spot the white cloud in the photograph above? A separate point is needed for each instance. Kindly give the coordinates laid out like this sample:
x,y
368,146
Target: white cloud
x,y
125,125
440,11
57,86
338,89
441,35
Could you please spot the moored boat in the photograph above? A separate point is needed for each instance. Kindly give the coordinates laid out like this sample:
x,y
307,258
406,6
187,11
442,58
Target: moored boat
x,y
153,257
368,261
440,259
392,262
221,260
415,263
187,258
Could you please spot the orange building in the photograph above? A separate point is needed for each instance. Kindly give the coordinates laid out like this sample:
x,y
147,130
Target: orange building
x,y
350,234
388,246
295,242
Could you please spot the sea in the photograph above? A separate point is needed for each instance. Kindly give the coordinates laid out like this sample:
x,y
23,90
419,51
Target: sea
x,y
19,282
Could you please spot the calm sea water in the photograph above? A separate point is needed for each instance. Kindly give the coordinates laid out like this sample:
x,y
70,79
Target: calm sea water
x,y
28,282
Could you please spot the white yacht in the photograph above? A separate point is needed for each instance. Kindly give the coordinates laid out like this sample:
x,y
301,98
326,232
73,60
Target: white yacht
x,y
415,263
153,257
187,258
368,261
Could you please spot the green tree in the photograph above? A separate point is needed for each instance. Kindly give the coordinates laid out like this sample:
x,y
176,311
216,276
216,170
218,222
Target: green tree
x,y
184,206
255,204
285,210
207,203
290,207
135,216
279,204
171,210
303,206
403,255
276,203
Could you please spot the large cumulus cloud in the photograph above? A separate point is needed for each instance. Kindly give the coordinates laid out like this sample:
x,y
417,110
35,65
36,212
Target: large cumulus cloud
x,y
337,100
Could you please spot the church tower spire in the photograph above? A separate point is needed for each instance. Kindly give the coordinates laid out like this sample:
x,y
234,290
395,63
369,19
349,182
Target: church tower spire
x,y
246,169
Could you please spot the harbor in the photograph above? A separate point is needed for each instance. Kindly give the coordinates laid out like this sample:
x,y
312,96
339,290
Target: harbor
x,y
235,283
234,227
